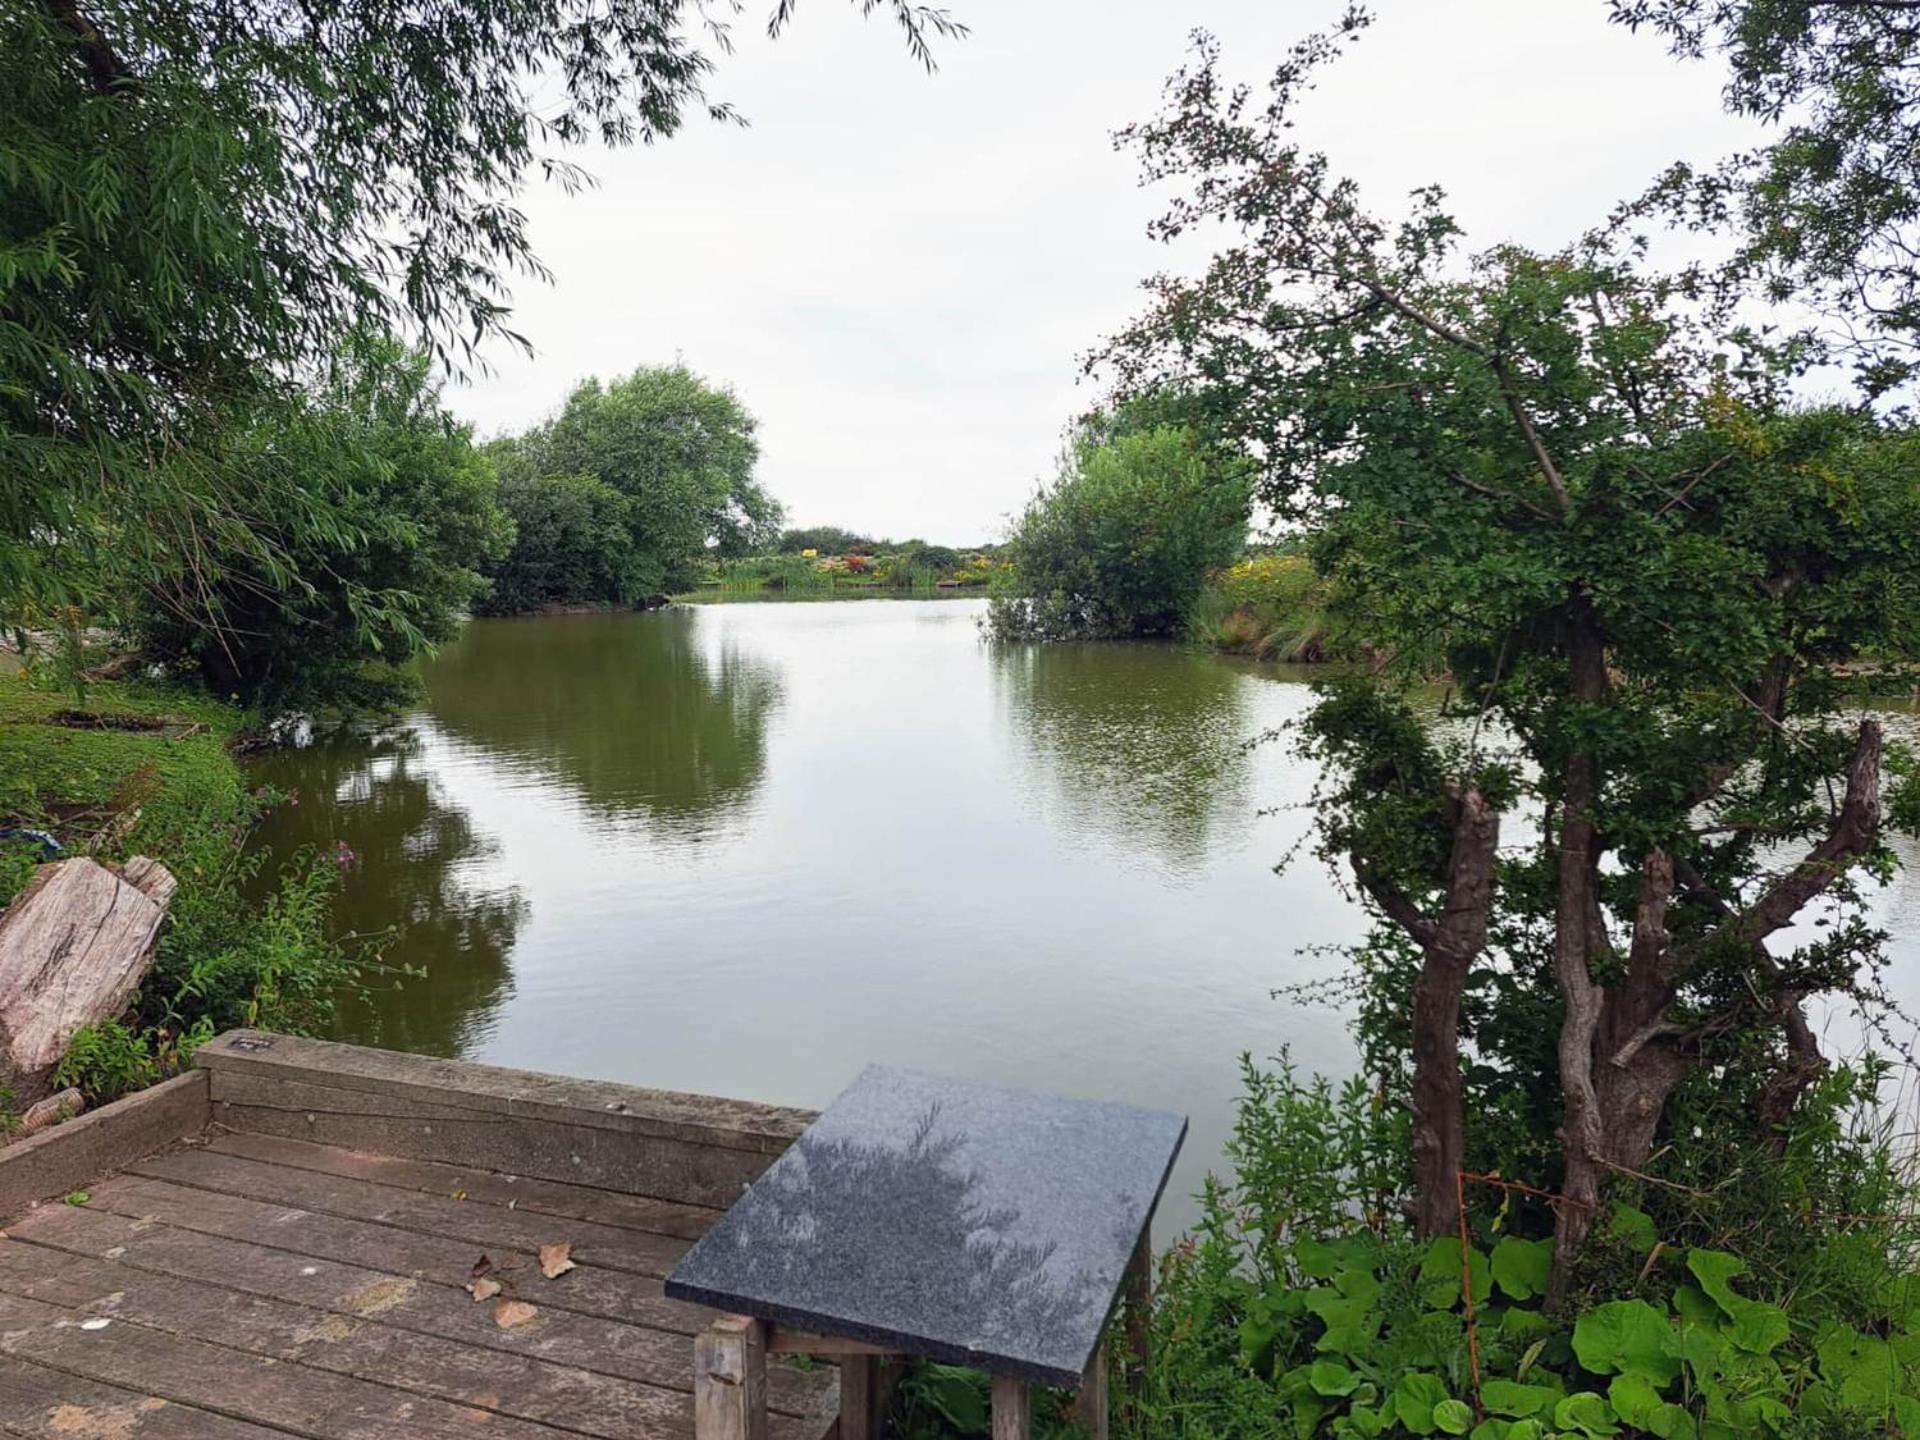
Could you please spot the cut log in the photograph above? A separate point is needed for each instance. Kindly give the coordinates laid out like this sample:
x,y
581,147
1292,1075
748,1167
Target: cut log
x,y
74,947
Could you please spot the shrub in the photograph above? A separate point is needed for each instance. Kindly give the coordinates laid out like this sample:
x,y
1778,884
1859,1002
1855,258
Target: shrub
x,y
1271,607
1301,1306
1122,541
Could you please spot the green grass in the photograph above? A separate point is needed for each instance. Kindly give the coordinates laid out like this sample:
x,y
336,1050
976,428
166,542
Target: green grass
x,y
72,780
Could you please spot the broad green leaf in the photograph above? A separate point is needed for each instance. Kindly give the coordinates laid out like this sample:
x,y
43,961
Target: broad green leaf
x,y
1492,1430
1330,1378
1587,1413
1440,1274
1521,1267
1694,1308
1509,1397
1627,1337
1757,1327
1632,1227
1414,1399
1715,1269
1454,1417
1633,1398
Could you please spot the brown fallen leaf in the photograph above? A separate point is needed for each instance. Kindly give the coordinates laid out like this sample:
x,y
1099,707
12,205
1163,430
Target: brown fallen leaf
x,y
509,1313
556,1260
484,1289
481,1267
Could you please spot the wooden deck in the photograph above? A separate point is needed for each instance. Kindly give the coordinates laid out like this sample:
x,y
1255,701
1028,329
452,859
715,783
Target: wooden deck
x,y
256,1284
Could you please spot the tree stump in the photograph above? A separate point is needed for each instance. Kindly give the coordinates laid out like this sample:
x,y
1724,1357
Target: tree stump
x,y
74,947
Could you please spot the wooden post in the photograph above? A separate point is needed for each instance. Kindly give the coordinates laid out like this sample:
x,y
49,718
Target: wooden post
x,y
1093,1406
1136,1289
859,1397
730,1380
1012,1412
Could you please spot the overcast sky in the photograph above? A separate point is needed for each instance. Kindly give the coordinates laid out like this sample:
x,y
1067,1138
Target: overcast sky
x,y
899,272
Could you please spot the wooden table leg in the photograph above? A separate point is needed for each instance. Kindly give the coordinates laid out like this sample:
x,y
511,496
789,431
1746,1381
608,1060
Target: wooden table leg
x,y
1137,1288
1012,1410
730,1380
859,1397
1093,1405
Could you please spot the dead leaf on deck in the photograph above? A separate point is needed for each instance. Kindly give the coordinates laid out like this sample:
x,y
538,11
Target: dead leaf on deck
x,y
556,1260
481,1267
484,1289
509,1313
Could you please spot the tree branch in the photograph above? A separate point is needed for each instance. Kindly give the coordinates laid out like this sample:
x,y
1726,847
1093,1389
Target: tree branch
x,y
104,66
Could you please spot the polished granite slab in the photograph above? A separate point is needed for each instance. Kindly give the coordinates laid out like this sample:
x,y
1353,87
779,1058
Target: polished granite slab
x,y
966,1222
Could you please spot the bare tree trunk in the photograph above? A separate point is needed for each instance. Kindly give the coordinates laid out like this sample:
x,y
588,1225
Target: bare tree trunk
x,y
1582,1134
1448,947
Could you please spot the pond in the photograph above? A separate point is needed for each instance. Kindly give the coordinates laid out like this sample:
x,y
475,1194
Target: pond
x,y
746,849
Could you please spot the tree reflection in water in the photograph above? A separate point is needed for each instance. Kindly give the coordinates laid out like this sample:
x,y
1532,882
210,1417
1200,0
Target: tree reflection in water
x,y
416,861
1143,745
903,1233
630,712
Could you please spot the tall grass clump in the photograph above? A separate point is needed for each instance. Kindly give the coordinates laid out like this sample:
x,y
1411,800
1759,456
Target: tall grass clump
x,y
1270,607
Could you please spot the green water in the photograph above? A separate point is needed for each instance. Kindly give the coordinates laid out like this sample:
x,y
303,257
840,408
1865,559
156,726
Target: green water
x,y
747,849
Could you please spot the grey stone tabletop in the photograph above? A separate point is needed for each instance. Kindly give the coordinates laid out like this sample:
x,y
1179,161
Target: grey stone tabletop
x,y
961,1221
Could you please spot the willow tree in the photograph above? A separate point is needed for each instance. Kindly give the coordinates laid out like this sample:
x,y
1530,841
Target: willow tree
x,y
199,198
1646,579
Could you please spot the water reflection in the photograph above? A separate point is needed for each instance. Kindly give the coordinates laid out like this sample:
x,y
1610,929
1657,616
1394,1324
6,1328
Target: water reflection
x,y
632,713
981,1223
1142,747
420,866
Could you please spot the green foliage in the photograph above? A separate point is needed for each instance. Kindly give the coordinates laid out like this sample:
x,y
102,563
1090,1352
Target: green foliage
x,y
1271,607
1828,208
673,458
410,515
1121,542
240,946
826,540
1300,1308
201,199
108,1060
1654,585
949,1402
571,543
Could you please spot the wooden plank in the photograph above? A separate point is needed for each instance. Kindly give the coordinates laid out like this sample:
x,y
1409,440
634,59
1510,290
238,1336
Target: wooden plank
x,y
860,1398
41,1404
551,1099
247,1387
1093,1402
69,1156
589,1290
665,1168
781,1340
408,1301
730,1380
543,1197
1012,1409
513,1385
490,1227
74,945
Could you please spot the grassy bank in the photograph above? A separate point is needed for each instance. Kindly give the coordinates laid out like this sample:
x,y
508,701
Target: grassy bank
x,y
1270,607
150,770
854,574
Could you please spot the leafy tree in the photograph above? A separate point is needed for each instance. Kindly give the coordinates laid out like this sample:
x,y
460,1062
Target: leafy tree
x,y
828,540
202,196
1121,542
680,453
1828,210
1652,584
570,544
416,510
